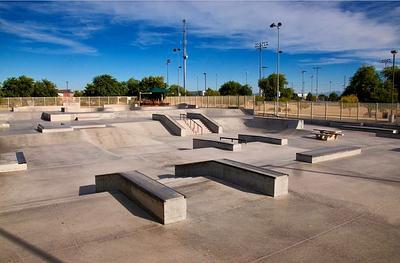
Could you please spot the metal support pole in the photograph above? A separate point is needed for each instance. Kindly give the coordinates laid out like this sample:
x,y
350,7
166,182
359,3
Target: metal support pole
x,y
298,109
311,110
264,107
358,110
287,109
341,109
326,110
376,111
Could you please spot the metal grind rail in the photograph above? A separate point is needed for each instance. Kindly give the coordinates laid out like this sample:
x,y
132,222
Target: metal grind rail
x,y
193,125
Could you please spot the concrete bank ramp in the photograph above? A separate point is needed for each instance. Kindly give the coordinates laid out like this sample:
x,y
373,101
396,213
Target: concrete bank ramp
x,y
12,162
327,154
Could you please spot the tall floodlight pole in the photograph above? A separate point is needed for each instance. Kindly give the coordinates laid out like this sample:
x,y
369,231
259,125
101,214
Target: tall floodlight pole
x,y
197,84
177,50
302,84
263,72
185,56
385,61
168,62
312,83
205,81
394,52
216,81
278,51
330,86
260,46
67,84
246,77
316,80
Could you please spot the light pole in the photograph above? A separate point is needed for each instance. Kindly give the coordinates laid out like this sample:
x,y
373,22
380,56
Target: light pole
x,y
312,83
246,78
177,50
168,62
205,81
216,81
260,46
394,52
263,73
316,80
302,84
185,56
330,86
385,61
278,51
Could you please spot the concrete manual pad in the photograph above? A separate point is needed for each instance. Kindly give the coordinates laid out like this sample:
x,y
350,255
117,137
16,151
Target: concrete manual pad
x,y
263,138
326,154
11,162
49,128
207,143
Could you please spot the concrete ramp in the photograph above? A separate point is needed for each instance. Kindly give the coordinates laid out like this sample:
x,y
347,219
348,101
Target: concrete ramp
x,y
211,125
11,162
171,125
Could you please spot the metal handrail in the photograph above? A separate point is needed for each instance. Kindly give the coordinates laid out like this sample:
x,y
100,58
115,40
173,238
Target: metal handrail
x,y
195,125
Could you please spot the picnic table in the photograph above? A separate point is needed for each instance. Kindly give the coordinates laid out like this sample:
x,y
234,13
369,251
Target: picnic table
x,y
327,135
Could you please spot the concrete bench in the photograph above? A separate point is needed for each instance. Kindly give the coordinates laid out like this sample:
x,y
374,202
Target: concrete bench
x,y
170,124
11,162
207,143
326,154
163,202
255,178
327,135
213,126
262,138
369,129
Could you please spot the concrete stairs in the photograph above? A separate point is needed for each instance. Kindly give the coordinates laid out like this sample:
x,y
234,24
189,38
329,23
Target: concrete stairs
x,y
193,128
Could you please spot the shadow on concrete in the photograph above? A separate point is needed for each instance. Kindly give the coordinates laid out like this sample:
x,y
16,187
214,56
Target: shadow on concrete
x,y
29,247
336,174
132,207
164,176
184,149
395,150
87,189
232,185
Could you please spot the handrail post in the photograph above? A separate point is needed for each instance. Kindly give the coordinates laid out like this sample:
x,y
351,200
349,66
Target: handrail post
x,y
326,110
376,111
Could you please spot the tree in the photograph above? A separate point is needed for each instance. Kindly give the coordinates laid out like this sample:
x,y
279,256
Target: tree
x,y
105,85
322,97
364,84
174,89
333,97
44,88
245,90
349,101
18,87
311,97
230,88
78,93
152,82
387,75
211,92
287,94
268,85
133,87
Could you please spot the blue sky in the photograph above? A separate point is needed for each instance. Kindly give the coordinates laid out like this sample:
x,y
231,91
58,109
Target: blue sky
x,y
76,41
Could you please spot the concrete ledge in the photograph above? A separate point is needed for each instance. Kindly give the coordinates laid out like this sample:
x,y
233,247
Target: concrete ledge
x,y
213,126
116,107
11,162
4,125
170,124
206,143
62,116
161,201
36,108
255,178
261,138
88,126
388,135
326,154
43,128
369,129
281,123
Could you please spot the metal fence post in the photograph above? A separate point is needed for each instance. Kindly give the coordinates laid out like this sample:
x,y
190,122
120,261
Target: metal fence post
x,y
254,105
208,100
287,109
326,110
358,110
397,112
376,111
341,110
8,103
298,109
311,110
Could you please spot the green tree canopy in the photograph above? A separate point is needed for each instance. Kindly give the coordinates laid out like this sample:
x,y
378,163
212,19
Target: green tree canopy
x,y
387,74
333,97
235,88
133,86
105,85
366,85
311,97
268,85
174,89
211,92
152,82
22,86
44,88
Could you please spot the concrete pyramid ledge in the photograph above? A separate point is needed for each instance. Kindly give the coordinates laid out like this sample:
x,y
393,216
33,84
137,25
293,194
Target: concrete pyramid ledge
x,y
167,205
11,162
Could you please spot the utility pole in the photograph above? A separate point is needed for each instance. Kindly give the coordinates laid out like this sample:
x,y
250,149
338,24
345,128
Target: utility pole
x,y
260,46
197,84
185,56
278,51
246,78
312,83
205,81
330,86
385,61
394,52
302,84
216,81
67,84
168,62
177,50
316,81
344,82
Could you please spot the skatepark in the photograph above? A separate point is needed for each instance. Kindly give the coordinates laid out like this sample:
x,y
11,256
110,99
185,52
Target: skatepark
x,y
194,185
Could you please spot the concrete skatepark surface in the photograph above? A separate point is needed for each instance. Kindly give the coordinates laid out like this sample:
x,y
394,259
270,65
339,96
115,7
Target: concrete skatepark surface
x,y
344,210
